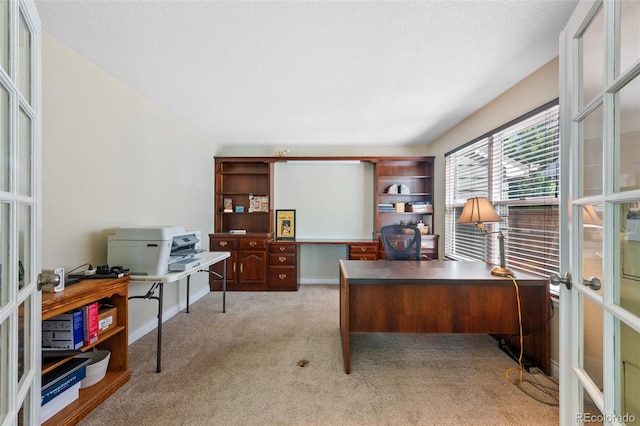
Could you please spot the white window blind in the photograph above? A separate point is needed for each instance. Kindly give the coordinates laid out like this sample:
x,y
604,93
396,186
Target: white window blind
x,y
516,167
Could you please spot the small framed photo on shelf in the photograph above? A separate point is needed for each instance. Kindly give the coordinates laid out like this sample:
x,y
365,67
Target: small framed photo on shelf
x,y
285,225
239,209
228,205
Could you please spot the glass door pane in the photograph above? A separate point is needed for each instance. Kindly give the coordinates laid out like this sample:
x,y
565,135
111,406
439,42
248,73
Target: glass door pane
x,y
4,35
592,59
591,152
629,368
25,245
628,104
24,63
5,180
25,155
629,33
4,254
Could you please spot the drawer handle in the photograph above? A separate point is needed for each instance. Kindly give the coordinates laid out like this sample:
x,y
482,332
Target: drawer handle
x,y
363,249
282,248
234,267
223,243
253,243
282,276
282,258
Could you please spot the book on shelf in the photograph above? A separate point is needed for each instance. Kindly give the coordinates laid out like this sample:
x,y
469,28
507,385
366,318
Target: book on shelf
x,y
238,231
61,378
64,331
91,323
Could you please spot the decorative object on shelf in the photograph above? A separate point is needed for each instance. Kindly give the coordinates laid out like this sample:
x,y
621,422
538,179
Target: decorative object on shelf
x,y
285,225
228,205
478,211
424,229
283,153
239,209
393,189
404,189
258,203
399,207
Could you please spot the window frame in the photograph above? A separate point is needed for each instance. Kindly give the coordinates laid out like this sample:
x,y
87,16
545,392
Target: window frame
x,y
531,222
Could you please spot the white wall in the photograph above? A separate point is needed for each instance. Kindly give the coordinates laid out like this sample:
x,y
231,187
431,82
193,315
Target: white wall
x,y
112,158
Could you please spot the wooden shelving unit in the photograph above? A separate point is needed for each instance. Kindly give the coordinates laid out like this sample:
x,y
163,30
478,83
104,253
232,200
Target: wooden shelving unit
x,y
416,173
116,340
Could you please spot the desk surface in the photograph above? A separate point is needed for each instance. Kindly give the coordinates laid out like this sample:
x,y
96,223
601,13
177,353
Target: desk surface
x,y
429,272
207,258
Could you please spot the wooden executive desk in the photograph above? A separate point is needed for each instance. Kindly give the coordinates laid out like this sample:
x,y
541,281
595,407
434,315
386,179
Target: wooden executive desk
x,y
443,297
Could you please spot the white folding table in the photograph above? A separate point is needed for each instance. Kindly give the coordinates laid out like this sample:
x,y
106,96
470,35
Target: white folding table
x,y
207,259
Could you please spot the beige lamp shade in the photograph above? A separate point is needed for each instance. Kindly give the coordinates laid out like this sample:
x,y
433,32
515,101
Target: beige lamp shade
x,y
478,210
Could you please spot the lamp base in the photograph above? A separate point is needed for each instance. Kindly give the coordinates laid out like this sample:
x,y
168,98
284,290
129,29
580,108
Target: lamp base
x,y
501,272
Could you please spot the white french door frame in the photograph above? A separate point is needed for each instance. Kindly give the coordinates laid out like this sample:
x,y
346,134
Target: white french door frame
x,y
20,308
574,379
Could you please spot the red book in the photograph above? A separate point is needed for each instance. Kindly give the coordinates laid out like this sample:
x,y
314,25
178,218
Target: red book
x,y
91,323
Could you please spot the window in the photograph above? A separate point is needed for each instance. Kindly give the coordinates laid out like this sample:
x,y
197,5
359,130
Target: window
x,y
516,168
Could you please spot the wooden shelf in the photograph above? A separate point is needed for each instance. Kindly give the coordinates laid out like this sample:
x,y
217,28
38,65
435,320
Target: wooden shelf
x,y
90,398
116,340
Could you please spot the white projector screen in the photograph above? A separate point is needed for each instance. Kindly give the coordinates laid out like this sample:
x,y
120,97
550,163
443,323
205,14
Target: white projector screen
x,y
331,200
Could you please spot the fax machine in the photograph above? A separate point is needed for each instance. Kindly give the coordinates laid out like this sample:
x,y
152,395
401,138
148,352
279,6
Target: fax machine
x,y
154,250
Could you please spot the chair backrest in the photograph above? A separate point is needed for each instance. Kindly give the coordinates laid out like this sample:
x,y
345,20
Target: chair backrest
x,y
401,242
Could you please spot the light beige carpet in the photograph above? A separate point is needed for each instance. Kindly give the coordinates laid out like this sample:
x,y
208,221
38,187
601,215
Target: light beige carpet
x,y
242,368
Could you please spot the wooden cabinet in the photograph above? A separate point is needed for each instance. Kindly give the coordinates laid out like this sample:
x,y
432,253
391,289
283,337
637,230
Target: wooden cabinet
x,y
283,266
247,266
116,340
363,251
237,179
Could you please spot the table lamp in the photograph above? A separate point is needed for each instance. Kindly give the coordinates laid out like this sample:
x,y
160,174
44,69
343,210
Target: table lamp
x,y
477,211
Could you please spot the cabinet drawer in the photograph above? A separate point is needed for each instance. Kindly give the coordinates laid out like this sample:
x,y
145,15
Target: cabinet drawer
x,y
357,250
282,249
253,244
356,256
283,277
222,244
282,259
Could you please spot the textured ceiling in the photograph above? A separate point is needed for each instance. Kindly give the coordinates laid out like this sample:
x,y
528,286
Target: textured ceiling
x,y
314,72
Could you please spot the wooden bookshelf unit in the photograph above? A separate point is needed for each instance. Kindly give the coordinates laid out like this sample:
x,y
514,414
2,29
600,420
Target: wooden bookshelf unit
x,y
116,340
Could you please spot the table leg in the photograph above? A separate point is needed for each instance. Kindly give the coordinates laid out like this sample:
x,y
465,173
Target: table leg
x,y
159,350
224,286
188,282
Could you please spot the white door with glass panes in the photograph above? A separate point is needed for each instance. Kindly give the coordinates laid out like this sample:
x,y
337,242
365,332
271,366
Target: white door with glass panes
x,y
20,358
600,240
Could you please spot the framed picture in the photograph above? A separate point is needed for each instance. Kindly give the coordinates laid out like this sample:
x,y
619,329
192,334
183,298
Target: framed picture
x,y
285,225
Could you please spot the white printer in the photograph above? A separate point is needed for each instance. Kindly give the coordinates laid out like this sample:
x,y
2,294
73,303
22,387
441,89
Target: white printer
x,y
153,250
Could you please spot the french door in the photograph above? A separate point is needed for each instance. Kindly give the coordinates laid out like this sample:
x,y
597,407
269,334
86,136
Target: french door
x,y
20,300
600,300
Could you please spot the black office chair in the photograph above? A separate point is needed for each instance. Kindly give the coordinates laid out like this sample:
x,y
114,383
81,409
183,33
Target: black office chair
x,y
401,242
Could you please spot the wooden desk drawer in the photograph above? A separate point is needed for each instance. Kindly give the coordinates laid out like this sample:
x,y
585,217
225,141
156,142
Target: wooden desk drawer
x,y
282,249
283,278
363,257
363,251
282,259
253,244
222,243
